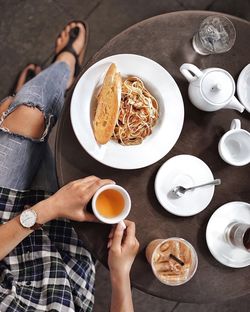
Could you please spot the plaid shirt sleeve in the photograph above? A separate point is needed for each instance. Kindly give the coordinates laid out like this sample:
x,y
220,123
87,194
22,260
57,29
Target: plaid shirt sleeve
x,y
49,270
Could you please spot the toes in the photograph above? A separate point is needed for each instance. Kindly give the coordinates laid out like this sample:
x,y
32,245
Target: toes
x,y
62,39
38,69
72,25
82,31
80,25
59,41
67,29
23,76
64,36
80,41
30,66
58,44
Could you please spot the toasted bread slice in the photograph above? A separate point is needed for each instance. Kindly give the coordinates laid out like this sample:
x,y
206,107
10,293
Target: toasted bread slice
x,y
108,103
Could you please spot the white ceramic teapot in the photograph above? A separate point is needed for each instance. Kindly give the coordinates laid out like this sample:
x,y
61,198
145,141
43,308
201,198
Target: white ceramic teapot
x,y
211,89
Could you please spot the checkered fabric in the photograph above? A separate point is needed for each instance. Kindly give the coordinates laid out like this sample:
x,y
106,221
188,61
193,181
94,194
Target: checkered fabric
x,y
50,270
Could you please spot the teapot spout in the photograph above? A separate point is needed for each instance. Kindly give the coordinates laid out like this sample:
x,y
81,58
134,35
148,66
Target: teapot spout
x,y
235,104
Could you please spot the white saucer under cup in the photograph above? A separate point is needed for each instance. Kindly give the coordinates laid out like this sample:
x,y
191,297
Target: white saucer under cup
x,y
222,251
187,171
243,87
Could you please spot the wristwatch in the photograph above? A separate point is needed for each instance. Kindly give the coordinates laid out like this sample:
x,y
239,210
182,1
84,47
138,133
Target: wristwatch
x,y
28,219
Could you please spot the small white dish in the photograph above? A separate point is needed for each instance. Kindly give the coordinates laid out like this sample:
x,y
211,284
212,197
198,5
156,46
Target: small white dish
x,y
185,170
166,131
222,251
243,87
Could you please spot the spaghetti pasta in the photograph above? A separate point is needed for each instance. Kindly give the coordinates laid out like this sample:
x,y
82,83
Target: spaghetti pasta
x,y
137,114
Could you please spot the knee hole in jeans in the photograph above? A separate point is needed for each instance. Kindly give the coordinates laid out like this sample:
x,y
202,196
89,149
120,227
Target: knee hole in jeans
x,y
25,120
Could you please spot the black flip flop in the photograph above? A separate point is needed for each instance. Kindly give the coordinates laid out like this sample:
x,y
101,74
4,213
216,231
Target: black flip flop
x,y
73,34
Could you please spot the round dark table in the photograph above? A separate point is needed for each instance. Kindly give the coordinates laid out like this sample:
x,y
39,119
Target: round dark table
x,y
167,40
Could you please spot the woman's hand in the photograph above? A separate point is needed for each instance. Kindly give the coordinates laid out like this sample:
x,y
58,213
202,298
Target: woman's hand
x,y
71,200
123,249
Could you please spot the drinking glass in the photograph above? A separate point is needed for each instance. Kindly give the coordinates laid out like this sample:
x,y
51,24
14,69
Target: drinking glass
x,y
173,261
216,35
238,235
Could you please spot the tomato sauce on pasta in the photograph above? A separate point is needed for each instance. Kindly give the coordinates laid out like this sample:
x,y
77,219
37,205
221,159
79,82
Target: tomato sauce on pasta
x,y
138,113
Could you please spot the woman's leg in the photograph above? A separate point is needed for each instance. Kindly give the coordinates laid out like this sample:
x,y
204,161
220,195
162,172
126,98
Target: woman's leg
x,y
25,124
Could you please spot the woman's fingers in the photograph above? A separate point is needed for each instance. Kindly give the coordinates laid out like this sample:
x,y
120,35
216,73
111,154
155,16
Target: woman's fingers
x,y
89,179
130,229
111,233
109,243
129,238
93,187
117,237
130,233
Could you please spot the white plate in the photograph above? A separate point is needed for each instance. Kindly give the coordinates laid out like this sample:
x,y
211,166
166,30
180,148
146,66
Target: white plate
x,y
165,133
243,87
223,252
185,170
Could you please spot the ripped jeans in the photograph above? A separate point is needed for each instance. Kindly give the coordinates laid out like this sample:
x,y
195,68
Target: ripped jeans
x,y
23,159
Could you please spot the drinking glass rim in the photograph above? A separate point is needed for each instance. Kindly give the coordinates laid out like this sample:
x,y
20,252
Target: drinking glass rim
x,y
232,37
222,17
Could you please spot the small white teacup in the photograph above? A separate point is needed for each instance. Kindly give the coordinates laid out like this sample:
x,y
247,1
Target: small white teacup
x,y
111,204
234,146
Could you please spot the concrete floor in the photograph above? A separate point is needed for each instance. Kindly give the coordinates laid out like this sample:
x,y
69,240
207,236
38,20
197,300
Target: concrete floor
x,y
27,34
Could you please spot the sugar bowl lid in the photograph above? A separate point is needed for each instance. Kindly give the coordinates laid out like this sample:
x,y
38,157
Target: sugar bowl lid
x,y
217,86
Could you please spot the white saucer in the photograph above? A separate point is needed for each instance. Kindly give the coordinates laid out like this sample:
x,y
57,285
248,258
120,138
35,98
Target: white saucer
x,y
243,87
223,252
185,170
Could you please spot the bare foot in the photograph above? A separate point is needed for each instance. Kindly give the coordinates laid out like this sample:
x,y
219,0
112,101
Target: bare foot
x,y
36,69
22,79
78,46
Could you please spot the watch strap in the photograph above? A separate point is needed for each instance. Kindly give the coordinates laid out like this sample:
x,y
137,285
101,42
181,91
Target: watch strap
x,y
36,226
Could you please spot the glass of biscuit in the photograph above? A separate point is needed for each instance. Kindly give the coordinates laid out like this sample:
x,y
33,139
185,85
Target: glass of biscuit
x,y
173,261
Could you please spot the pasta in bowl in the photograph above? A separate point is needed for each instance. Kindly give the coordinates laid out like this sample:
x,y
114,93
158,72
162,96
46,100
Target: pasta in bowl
x,y
138,113
160,85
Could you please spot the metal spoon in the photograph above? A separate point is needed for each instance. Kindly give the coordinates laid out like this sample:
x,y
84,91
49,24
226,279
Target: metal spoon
x,y
181,190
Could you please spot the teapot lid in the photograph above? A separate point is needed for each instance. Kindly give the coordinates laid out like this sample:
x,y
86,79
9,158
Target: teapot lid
x,y
217,86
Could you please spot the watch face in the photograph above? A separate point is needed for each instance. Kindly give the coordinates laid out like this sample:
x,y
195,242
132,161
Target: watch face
x,y
28,218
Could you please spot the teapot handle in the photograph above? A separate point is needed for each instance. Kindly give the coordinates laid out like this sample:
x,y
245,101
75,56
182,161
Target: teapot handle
x,y
186,69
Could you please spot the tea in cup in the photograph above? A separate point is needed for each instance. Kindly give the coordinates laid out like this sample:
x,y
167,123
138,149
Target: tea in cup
x,y
238,235
111,204
234,146
173,261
